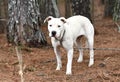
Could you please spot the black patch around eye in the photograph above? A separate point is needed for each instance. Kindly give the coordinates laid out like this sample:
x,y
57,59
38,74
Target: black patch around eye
x,y
50,25
59,26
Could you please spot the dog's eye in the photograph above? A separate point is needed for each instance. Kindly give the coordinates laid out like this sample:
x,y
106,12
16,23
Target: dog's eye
x,y
59,26
50,25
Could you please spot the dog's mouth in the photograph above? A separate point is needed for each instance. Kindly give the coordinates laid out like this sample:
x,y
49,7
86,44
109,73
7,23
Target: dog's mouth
x,y
61,35
53,36
57,37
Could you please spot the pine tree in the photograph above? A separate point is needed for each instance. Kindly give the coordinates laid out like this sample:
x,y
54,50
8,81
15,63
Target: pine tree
x,y
67,8
116,13
81,7
48,8
24,23
109,7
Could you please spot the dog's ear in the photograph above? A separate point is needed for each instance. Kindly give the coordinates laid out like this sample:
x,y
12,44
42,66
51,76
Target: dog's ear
x,y
48,18
63,19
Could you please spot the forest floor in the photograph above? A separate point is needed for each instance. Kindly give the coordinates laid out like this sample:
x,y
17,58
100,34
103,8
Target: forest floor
x,y
40,63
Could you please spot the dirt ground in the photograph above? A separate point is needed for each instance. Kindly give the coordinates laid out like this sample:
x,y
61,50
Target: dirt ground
x,y
40,63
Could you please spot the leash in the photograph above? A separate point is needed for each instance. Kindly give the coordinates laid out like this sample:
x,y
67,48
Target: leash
x,y
62,38
113,49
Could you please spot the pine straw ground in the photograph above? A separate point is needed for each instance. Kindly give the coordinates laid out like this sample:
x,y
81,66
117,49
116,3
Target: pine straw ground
x,y
40,63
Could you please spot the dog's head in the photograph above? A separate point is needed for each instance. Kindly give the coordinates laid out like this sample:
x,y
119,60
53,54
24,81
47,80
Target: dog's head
x,y
55,26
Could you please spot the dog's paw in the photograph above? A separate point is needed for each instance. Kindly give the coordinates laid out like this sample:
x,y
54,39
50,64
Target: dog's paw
x,y
79,60
91,63
58,68
68,73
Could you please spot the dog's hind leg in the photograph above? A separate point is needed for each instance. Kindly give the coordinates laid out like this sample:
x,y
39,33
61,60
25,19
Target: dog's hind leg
x,y
79,46
90,43
69,62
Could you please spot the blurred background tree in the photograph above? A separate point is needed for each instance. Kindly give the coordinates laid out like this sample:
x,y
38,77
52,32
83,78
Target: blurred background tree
x,y
112,8
68,12
24,23
48,8
116,11
30,14
3,15
116,14
109,7
81,7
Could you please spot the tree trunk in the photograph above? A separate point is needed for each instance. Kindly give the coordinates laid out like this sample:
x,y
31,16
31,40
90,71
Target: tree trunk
x,y
48,8
116,14
51,8
24,22
92,10
81,7
3,15
67,8
109,7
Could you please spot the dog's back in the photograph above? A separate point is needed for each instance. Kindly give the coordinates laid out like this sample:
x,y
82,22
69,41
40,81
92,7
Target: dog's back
x,y
79,25
79,18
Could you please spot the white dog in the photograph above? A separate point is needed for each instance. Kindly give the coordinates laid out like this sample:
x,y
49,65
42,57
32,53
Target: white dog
x,y
65,32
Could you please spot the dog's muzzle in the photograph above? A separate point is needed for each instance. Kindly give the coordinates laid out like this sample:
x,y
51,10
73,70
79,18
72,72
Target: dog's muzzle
x,y
60,37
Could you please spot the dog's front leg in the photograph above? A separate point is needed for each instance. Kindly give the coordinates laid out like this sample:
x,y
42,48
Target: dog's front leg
x,y
57,52
69,62
58,57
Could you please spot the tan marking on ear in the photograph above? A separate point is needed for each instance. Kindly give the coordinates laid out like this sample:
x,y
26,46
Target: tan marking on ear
x,y
48,19
63,19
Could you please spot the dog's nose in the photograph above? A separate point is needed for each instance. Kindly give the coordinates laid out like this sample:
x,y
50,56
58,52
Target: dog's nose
x,y
53,33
